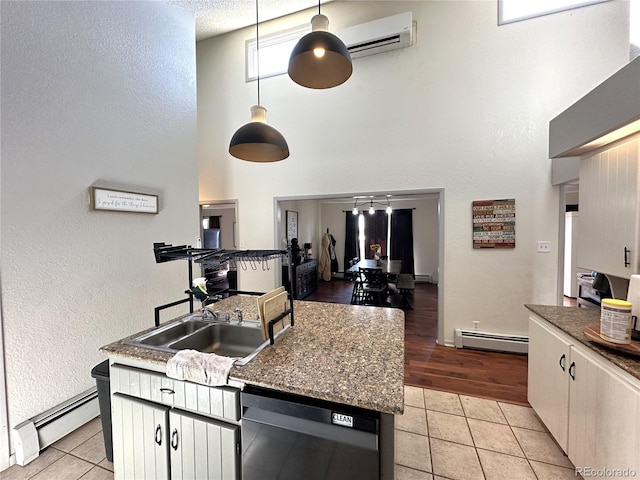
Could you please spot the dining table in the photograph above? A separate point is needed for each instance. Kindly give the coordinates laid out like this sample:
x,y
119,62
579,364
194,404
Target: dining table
x,y
389,270
388,267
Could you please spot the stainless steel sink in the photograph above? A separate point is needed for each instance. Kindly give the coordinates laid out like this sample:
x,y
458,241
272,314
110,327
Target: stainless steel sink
x,y
232,340
222,339
165,335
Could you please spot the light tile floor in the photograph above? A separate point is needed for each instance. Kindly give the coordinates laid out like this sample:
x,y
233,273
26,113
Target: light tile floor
x,y
79,455
440,436
443,435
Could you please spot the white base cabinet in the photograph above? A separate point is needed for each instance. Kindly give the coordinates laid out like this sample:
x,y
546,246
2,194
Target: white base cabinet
x,y
139,439
155,437
202,448
591,407
548,388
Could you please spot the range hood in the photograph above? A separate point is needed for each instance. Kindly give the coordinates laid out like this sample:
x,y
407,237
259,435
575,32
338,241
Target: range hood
x,y
607,113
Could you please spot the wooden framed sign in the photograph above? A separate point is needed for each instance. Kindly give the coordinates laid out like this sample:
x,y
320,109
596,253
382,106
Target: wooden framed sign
x,y
122,201
292,225
494,223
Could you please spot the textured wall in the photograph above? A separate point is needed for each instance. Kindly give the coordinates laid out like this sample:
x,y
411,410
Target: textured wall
x,y
92,93
465,109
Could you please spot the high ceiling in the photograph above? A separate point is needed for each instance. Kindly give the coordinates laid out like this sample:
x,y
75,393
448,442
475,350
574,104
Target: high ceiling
x,y
215,17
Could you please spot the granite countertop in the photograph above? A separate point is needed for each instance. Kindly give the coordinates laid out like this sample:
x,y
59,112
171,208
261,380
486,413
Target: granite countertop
x,y
347,354
573,320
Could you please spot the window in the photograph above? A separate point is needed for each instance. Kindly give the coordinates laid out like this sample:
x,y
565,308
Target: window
x,y
275,50
516,10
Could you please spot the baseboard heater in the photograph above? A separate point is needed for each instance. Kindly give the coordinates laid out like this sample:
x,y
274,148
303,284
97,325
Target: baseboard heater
x,y
37,433
491,341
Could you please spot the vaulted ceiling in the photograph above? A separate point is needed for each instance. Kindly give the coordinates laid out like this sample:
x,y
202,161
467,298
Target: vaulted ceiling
x,y
215,17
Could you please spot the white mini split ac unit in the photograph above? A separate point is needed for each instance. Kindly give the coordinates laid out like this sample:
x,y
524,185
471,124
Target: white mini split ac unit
x,y
378,36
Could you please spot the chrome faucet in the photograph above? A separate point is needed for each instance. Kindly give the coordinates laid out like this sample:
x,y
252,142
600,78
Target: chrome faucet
x,y
239,312
208,314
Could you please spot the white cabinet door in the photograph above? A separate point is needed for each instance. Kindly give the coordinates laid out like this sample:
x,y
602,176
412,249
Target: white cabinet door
x,y
548,388
203,448
609,211
604,417
583,391
139,432
617,423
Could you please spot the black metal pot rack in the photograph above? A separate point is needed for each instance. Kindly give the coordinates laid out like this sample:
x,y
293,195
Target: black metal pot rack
x,y
215,258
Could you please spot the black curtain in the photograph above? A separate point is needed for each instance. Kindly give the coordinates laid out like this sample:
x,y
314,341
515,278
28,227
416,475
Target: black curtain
x,y
350,239
214,221
402,239
375,232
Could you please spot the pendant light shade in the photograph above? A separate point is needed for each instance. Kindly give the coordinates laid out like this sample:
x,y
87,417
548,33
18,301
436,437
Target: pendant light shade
x,y
258,141
320,59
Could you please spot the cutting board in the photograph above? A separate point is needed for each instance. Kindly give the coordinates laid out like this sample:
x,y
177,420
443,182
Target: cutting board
x,y
261,300
593,333
272,308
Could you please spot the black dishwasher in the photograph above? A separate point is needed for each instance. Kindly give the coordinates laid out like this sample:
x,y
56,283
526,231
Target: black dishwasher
x,y
290,437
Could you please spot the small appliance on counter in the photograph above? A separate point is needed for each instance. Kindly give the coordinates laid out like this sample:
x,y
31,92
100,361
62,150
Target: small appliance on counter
x,y
592,288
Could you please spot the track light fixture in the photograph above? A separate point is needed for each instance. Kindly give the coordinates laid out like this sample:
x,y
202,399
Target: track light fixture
x,y
371,209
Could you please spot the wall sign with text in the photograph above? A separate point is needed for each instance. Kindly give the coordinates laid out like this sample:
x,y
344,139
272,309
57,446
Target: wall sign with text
x,y
121,201
494,223
292,225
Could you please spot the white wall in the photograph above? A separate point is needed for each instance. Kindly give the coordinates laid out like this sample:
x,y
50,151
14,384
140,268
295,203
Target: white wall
x,y
465,109
93,93
309,221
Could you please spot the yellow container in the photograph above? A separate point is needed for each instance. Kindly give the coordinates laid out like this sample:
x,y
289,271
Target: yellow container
x,y
615,321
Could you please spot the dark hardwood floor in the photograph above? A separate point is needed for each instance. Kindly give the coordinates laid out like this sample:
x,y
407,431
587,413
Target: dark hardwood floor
x,y
493,375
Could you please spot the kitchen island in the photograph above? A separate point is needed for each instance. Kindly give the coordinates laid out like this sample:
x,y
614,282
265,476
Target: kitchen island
x,y
349,355
587,395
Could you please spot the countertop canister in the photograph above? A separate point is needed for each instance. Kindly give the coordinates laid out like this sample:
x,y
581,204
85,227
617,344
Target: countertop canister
x,y
615,320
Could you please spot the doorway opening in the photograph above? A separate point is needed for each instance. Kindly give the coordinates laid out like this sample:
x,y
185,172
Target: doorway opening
x,y
218,230
318,214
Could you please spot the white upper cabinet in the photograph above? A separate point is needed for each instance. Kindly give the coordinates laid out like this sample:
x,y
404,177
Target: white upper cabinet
x,y
608,239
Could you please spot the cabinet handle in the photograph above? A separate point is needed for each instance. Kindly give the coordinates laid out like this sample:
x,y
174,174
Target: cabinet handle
x,y
572,370
626,257
158,436
174,439
167,390
561,362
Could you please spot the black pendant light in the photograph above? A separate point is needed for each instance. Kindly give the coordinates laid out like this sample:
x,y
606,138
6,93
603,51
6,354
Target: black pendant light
x,y
320,59
258,141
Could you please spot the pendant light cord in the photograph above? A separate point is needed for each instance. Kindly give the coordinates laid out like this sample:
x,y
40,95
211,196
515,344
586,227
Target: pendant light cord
x,y
258,51
318,7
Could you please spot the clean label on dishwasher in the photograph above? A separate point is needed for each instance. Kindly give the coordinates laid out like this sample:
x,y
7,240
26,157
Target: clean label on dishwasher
x,y
342,419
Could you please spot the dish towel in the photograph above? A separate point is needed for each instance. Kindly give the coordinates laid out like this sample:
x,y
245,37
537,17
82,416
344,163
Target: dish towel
x,y
204,368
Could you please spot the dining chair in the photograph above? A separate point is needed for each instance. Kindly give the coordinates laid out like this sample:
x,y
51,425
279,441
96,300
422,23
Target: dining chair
x,y
357,295
374,286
